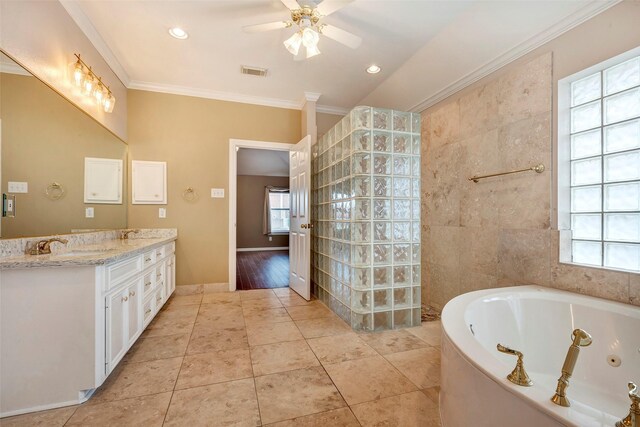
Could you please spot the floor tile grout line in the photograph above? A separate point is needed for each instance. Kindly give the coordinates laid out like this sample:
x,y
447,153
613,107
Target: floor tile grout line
x,y
164,419
253,373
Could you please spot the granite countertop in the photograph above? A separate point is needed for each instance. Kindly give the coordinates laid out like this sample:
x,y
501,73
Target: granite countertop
x,y
106,252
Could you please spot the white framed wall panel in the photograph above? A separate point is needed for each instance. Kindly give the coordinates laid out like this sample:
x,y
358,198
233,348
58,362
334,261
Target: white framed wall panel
x,y
102,180
149,183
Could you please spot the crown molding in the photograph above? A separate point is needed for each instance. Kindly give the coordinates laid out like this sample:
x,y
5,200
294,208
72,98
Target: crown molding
x,y
13,68
74,10
214,94
328,109
589,11
311,96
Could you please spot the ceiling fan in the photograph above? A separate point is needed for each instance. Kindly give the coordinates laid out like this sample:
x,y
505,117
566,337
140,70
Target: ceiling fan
x,y
306,19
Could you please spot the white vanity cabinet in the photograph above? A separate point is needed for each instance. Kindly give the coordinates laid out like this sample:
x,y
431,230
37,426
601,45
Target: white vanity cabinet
x,y
135,289
82,320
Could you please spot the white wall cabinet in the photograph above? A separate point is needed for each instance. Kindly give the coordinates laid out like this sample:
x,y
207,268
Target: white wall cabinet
x,y
102,180
149,183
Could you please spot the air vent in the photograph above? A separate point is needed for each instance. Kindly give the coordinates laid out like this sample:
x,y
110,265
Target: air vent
x,y
254,71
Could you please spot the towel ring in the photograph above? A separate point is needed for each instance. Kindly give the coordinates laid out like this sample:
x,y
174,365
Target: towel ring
x,y
54,191
190,195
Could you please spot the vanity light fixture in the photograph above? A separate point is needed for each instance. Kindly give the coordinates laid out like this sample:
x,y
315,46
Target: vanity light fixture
x,y
373,69
91,85
178,33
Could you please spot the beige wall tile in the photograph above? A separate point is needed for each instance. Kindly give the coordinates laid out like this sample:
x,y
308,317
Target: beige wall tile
x,y
479,109
478,249
634,289
523,257
526,142
443,126
526,91
613,285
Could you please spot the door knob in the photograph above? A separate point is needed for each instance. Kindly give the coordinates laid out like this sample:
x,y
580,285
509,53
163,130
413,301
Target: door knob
x,y
303,226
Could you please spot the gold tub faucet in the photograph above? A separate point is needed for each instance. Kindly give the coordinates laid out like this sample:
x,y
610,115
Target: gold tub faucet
x,y
43,247
580,338
633,419
518,375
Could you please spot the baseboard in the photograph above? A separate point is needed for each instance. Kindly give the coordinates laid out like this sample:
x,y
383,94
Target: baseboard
x,y
273,248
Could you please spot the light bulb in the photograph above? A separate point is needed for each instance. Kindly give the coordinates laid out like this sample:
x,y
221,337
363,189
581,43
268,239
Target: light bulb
x,y
78,74
310,38
312,51
108,103
98,93
88,84
293,43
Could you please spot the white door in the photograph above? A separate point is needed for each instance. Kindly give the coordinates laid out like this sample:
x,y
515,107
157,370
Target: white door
x,y
300,224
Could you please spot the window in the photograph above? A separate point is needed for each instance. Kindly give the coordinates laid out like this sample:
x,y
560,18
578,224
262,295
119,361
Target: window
x,y
601,135
279,212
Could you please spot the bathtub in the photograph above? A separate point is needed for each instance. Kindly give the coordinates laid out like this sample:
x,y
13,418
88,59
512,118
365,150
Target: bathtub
x,y
537,321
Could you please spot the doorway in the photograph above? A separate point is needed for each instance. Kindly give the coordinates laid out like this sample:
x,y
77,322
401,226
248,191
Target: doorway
x,y
258,215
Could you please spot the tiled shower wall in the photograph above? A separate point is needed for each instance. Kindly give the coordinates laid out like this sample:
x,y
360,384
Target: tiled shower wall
x,y
366,212
497,232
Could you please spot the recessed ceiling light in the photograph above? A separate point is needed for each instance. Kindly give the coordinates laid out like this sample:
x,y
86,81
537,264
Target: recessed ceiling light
x,y
374,69
178,33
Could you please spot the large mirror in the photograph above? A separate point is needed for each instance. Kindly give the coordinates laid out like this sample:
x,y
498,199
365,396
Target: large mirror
x,y
45,143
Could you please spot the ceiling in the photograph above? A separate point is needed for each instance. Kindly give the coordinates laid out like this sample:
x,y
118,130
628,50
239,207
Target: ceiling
x,y
263,162
133,38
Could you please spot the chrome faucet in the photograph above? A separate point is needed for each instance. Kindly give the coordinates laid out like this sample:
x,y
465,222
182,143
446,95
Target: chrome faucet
x,y
43,247
124,234
633,419
580,338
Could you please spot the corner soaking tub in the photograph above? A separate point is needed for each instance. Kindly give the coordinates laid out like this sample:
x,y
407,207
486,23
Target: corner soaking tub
x,y
538,322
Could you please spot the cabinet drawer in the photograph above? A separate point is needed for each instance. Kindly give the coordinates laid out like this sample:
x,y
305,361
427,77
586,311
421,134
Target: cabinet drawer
x,y
148,283
159,273
147,311
122,270
169,248
160,252
158,298
148,258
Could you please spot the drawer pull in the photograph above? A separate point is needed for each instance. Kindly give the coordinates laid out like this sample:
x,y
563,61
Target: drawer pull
x,y
158,299
158,253
132,293
125,299
146,285
159,275
147,312
147,260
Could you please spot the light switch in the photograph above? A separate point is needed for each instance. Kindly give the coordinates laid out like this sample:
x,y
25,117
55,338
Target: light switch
x,y
18,187
88,213
217,193
162,213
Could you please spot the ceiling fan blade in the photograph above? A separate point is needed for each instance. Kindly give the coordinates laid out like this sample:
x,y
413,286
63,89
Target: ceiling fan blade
x,y
265,27
341,36
291,4
327,7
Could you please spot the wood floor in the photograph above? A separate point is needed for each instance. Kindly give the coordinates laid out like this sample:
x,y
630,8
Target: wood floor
x,y
262,270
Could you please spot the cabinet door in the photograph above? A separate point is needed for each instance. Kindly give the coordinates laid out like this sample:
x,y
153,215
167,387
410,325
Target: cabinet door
x,y
117,342
134,311
102,180
170,276
149,182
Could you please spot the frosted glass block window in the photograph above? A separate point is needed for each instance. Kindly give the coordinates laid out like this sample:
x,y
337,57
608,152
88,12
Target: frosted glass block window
x,y
604,166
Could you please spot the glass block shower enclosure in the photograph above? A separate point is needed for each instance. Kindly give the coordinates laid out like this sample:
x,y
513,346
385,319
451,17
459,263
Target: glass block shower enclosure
x,y
366,212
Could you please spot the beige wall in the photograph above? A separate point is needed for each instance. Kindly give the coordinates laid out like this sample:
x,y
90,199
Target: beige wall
x,y
250,211
192,136
326,121
45,139
503,231
42,37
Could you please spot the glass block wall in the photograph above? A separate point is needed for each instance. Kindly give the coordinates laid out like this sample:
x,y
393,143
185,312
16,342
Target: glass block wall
x,y
366,215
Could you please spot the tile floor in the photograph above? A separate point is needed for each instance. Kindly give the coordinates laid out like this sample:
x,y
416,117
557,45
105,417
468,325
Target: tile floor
x,y
263,357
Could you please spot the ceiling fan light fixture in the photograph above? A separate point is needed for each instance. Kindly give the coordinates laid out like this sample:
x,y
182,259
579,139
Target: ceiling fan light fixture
x,y
373,69
293,43
178,33
312,51
310,38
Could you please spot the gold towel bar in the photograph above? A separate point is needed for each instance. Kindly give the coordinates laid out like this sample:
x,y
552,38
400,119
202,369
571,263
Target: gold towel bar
x,y
537,168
